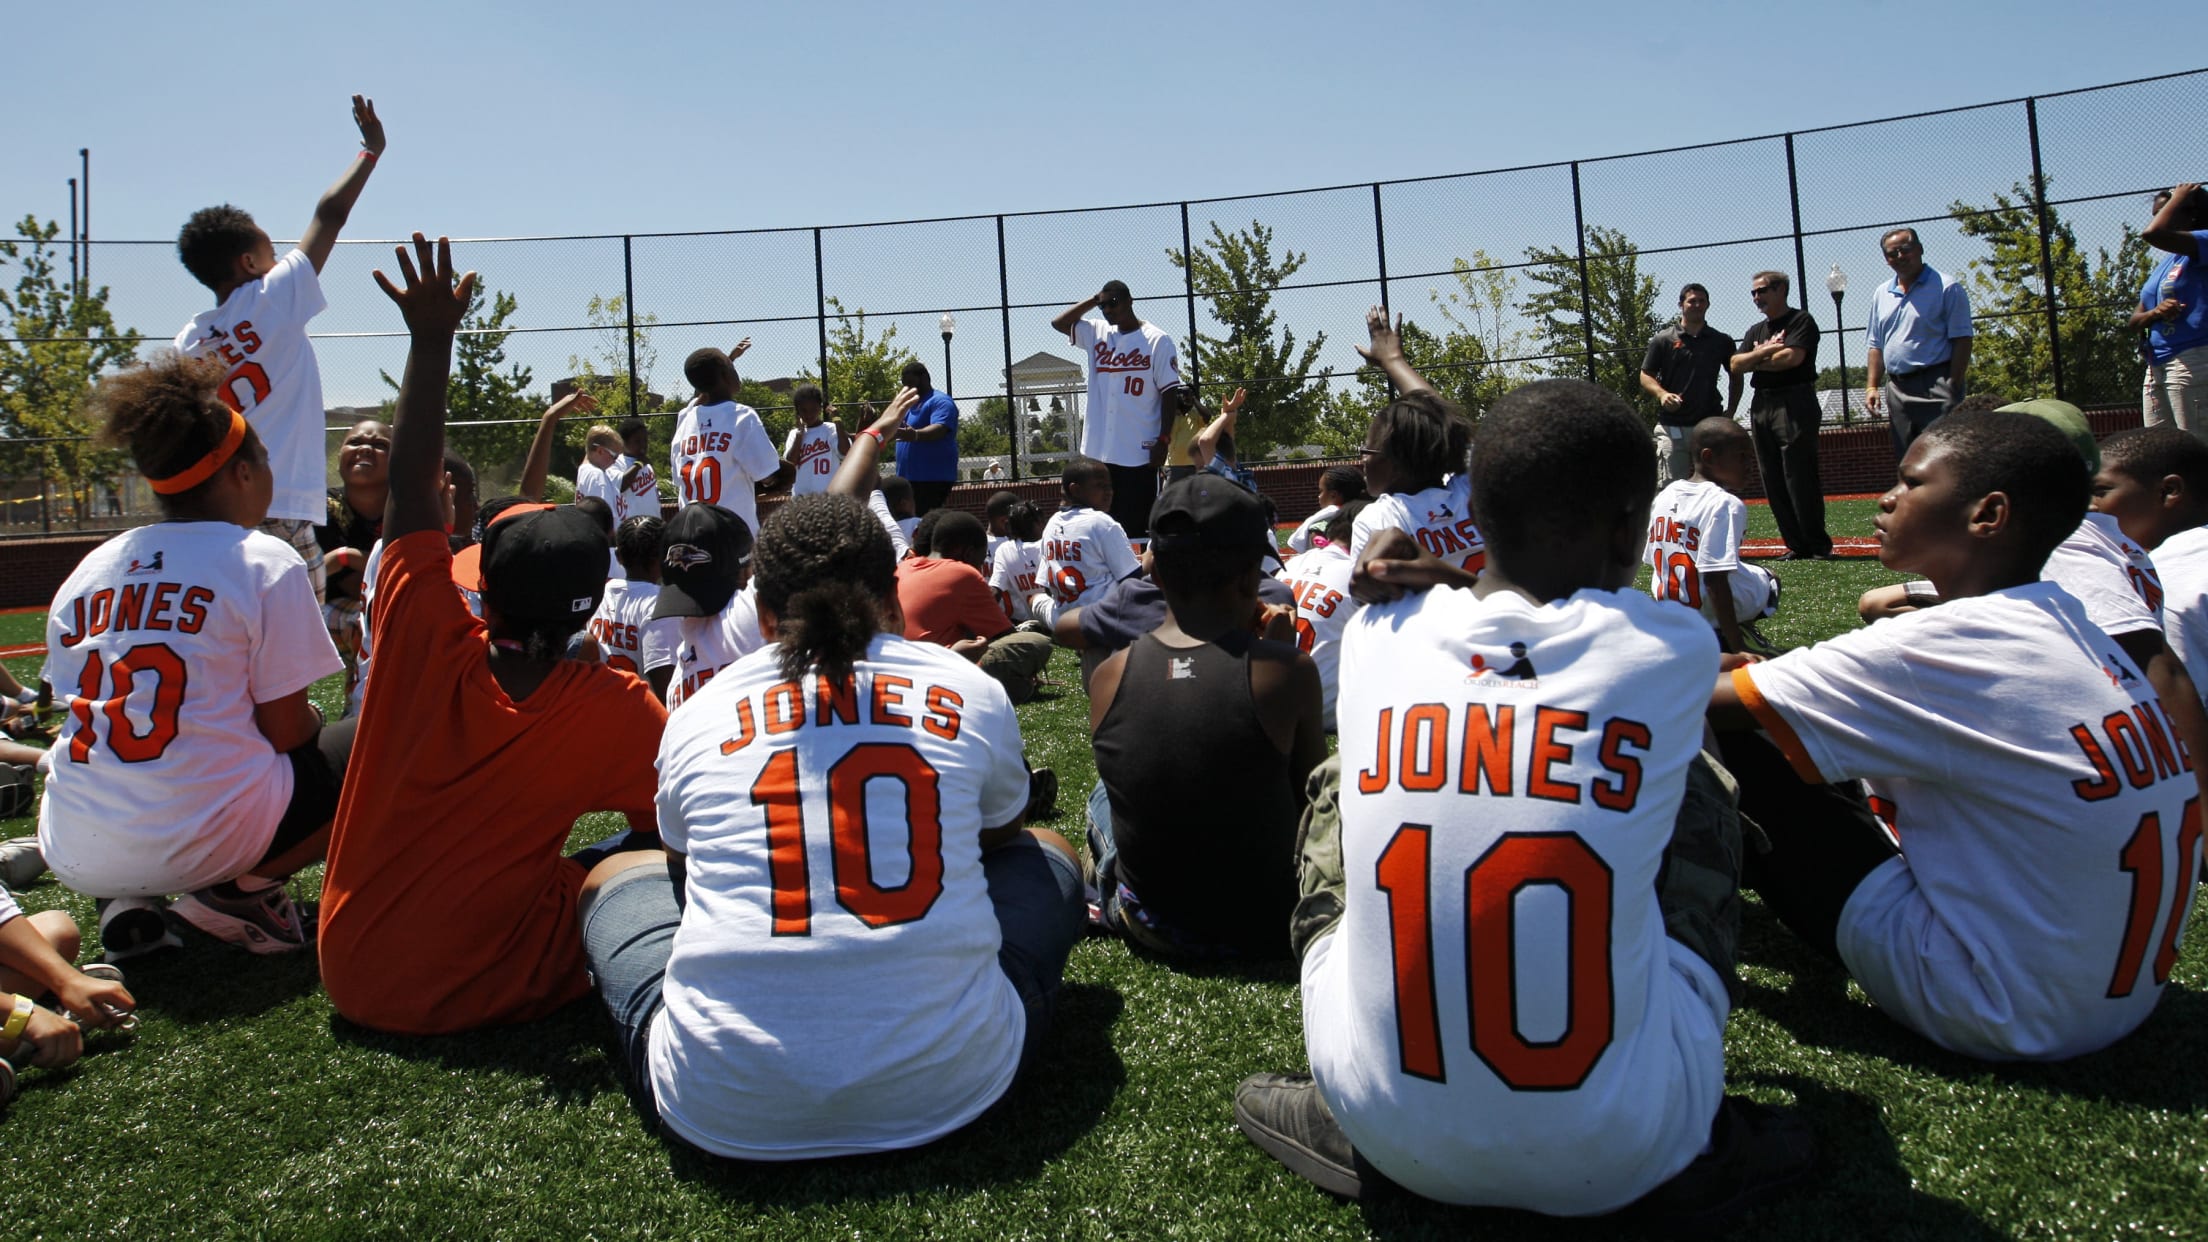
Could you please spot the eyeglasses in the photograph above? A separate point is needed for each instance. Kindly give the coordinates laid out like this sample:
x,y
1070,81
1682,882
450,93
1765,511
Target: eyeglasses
x,y
1895,252
1759,291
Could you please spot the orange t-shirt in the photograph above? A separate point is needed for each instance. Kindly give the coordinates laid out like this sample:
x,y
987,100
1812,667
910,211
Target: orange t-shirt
x,y
447,904
945,601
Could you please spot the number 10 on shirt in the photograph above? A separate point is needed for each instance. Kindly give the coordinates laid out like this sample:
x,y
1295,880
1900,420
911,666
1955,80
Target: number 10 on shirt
x,y
778,791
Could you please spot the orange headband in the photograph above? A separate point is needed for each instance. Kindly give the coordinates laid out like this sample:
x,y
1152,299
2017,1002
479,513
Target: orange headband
x,y
204,469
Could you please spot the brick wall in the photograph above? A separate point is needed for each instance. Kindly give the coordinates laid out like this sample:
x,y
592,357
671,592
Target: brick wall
x,y
1853,461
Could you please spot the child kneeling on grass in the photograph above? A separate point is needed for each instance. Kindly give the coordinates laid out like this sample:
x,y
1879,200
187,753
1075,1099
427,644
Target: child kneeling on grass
x,y
2047,812
191,760
449,905
1520,781
849,943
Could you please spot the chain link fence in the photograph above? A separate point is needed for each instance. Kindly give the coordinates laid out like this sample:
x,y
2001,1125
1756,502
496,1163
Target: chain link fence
x,y
1506,275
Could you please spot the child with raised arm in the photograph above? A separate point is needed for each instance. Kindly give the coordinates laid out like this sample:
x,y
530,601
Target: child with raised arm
x,y
721,454
447,903
817,444
2047,814
1414,460
1694,534
258,332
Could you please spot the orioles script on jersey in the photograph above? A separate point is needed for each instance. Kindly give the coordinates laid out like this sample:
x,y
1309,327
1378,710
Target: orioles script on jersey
x,y
889,700
1124,360
137,606
1504,749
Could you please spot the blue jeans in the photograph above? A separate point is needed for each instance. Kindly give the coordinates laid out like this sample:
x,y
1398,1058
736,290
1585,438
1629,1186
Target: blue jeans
x,y
629,932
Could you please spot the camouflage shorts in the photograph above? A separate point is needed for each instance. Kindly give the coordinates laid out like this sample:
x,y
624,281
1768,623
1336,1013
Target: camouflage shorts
x,y
1697,888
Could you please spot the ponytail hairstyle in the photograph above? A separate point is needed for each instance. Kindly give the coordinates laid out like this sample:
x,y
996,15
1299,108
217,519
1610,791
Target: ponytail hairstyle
x,y
825,568
1424,436
168,416
637,543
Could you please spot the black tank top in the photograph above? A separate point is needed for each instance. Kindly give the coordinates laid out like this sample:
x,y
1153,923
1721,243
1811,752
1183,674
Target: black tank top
x,y
1202,809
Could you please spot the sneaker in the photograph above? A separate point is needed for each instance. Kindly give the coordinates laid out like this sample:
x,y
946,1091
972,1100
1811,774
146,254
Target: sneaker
x,y
133,927
21,861
262,922
1754,640
1755,1151
1284,1115
1042,794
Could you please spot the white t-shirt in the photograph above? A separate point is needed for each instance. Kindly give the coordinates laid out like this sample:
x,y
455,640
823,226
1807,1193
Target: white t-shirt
x,y
2182,562
1128,373
2042,811
817,453
1084,552
1307,532
1015,574
364,645
2112,576
632,641
260,333
833,991
720,453
905,527
878,505
591,481
161,781
1695,528
1549,1048
1319,579
1440,518
706,645
641,496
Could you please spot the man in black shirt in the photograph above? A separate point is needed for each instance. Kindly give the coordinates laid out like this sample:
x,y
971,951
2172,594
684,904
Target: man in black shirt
x,y
1784,415
1681,370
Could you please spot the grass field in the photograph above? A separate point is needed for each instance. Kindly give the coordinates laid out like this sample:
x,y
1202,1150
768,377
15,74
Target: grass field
x,y
244,1107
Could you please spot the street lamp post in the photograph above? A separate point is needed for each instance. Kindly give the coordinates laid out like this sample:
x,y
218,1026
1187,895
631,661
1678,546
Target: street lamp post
x,y
949,324
1837,281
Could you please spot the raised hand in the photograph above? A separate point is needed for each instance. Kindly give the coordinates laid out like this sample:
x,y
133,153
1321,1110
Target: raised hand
x,y
1387,339
371,128
431,303
1233,404
741,347
574,403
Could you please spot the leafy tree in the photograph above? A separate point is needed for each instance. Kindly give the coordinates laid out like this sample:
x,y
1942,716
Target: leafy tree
x,y
1237,273
1468,360
1622,303
860,368
604,374
59,340
485,388
986,430
2008,297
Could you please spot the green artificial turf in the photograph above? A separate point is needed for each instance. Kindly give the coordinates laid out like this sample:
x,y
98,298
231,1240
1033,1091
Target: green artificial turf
x,y
244,1107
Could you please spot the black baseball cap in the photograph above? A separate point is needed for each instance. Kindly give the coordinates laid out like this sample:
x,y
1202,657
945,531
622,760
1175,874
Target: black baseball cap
x,y
1209,511
545,565
705,548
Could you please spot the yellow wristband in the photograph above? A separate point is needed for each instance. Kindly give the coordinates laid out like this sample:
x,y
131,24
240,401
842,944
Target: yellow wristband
x,y
17,1021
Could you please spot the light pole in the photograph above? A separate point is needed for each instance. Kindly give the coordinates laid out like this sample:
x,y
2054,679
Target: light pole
x,y
1837,281
949,324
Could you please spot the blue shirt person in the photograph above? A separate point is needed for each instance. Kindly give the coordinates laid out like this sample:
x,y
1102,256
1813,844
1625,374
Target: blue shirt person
x,y
927,445
1919,341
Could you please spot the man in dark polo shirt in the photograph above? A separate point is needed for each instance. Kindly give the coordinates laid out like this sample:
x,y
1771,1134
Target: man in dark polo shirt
x,y
1783,416
1681,370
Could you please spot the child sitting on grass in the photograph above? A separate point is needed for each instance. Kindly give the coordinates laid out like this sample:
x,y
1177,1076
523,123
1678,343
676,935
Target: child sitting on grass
x,y
35,955
2047,814
1694,535
2154,482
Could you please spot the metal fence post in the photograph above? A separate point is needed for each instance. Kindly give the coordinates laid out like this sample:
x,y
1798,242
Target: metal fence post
x,y
1188,281
628,305
1380,248
1004,304
820,307
1794,205
1586,290
2046,246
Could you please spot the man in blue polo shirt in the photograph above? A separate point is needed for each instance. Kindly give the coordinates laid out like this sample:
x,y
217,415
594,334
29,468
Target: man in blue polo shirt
x,y
1919,346
927,445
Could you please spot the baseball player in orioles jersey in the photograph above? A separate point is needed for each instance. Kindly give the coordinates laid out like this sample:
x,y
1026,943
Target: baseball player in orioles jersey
x,y
814,445
1133,366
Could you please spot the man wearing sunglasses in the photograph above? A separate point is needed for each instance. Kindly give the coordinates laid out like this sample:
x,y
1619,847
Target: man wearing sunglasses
x,y
1134,393
1780,352
1919,342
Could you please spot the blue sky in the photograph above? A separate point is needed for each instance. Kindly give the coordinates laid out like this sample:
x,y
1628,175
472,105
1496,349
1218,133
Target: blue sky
x,y
560,118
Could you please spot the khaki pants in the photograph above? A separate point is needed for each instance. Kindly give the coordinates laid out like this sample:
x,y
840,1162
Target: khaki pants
x,y
2177,391
1016,660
